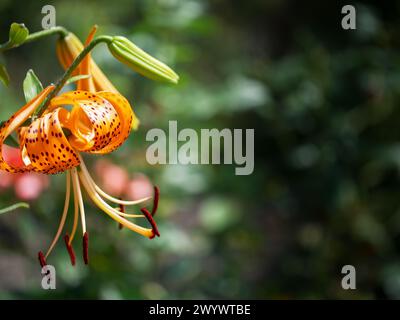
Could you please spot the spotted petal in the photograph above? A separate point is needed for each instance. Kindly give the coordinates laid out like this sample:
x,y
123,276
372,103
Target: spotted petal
x,y
15,122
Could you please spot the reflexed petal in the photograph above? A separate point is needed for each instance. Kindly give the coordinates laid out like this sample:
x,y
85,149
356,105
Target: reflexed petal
x,y
44,144
14,122
99,122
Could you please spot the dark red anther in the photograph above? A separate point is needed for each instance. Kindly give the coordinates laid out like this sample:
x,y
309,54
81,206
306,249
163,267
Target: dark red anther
x,y
86,247
155,201
70,249
42,259
121,209
152,222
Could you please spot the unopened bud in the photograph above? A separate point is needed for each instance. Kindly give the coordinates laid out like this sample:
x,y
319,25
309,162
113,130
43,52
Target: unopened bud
x,y
135,58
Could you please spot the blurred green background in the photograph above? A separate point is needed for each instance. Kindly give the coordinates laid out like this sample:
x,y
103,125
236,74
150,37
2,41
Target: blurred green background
x,y
324,193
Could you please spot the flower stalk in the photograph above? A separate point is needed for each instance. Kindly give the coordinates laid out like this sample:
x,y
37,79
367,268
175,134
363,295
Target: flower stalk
x,y
61,31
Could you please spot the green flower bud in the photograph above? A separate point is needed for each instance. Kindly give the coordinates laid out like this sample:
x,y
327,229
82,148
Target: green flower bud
x,y
135,58
18,34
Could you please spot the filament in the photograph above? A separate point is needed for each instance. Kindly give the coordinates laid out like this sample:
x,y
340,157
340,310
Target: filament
x,y
78,192
64,214
76,216
106,195
114,214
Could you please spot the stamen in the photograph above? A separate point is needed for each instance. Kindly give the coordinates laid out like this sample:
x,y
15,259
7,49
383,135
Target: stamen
x,y
155,200
118,201
103,193
42,259
76,215
64,214
86,248
70,249
91,191
79,194
122,209
128,215
114,214
152,222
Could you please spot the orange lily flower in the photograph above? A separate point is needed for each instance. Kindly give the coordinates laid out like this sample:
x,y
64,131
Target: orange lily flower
x,y
97,123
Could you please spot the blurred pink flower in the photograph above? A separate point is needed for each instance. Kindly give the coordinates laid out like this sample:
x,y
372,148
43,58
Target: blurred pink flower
x,y
6,179
139,187
28,186
113,178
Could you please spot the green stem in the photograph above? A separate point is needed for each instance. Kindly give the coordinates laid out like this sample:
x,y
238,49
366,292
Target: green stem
x,y
36,36
48,32
60,83
14,206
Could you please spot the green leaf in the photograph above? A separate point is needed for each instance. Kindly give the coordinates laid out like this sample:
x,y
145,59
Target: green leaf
x,y
4,77
77,78
32,86
18,34
14,206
